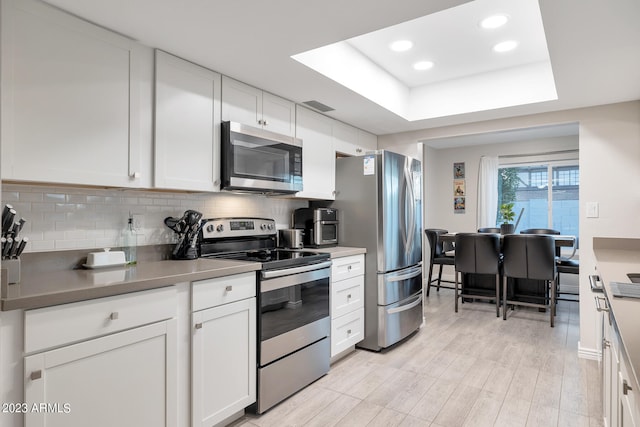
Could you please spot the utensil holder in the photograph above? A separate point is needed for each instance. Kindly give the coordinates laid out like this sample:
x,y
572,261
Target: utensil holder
x,y
13,269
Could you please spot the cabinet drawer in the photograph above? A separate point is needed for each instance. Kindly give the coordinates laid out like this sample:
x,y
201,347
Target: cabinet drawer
x,y
346,296
67,323
344,268
346,331
223,290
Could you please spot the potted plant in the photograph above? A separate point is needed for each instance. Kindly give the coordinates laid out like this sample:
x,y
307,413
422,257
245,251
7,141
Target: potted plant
x,y
507,215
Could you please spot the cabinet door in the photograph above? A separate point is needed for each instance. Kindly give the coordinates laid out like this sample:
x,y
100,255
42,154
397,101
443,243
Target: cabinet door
x,y
69,99
367,141
241,103
223,361
187,125
628,411
124,379
278,114
345,139
347,331
318,155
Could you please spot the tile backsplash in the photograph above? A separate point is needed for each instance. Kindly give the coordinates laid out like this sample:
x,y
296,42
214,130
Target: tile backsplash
x,y
63,218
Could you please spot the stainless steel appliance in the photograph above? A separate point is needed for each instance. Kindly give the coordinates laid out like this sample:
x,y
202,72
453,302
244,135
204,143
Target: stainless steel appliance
x,y
291,238
293,304
320,225
379,199
256,160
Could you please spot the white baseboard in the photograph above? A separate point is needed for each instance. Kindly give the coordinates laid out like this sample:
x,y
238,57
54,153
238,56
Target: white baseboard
x,y
589,353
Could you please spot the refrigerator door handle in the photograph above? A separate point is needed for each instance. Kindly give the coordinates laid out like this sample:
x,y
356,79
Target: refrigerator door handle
x,y
416,272
405,307
412,220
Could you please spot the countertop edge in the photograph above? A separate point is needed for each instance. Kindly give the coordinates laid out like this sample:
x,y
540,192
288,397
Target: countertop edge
x,y
57,297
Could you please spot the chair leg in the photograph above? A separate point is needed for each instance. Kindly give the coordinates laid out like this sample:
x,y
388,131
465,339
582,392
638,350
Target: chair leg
x,y
504,298
429,277
553,302
497,295
456,290
439,277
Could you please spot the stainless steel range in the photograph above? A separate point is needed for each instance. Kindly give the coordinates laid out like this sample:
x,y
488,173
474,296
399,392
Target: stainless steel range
x,y
293,301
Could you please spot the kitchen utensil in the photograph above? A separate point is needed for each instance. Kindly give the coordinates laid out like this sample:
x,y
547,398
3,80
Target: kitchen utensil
x,y
7,221
22,246
292,238
7,247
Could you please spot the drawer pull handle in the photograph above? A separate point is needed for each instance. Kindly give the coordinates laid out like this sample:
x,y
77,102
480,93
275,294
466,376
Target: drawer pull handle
x,y
348,331
349,296
605,343
35,375
114,315
228,288
625,387
599,307
349,268
198,325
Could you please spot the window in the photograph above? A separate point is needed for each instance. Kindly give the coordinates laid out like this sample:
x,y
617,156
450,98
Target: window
x,y
547,192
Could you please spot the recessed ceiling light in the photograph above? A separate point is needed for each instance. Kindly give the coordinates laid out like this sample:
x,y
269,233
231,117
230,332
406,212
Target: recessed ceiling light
x,y
494,21
505,46
401,45
423,65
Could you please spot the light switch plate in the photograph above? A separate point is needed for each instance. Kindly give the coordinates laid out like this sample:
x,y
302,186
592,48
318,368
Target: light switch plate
x,y
592,210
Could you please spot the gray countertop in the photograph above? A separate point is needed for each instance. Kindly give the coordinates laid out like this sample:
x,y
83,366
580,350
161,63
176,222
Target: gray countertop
x,y
616,257
42,289
338,251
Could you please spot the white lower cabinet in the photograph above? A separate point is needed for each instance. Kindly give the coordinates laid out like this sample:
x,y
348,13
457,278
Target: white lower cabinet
x,y
223,348
620,391
127,378
347,303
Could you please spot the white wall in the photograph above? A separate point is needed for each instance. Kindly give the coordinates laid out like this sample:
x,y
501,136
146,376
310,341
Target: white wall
x,y
609,143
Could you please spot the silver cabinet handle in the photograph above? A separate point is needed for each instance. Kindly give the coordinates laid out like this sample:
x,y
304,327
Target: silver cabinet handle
x,y
605,343
601,308
114,315
135,175
358,150
348,296
625,387
348,331
228,288
35,375
198,326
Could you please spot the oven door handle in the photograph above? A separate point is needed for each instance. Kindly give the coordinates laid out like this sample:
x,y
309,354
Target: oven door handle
x,y
270,274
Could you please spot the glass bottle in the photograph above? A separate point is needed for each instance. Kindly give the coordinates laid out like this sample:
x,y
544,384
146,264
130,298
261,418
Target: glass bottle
x,y
129,242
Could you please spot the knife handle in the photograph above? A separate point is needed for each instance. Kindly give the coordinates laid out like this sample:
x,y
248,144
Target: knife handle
x,y
7,247
7,221
14,247
22,246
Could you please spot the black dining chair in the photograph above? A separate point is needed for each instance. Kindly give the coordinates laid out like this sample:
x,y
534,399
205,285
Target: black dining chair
x,y
437,256
564,265
477,254
495,230
529,257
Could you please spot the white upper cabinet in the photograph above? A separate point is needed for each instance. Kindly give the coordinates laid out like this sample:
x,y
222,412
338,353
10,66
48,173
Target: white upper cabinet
x,y
69,103
351,141
318,155
187,125
253,107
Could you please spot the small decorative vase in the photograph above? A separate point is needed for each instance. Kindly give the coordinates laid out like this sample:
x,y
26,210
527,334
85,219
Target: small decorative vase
x,y
507,228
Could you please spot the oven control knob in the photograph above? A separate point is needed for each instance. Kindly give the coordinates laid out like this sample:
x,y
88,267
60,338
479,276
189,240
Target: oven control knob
x,y
263,226
220,228
270,226
210,228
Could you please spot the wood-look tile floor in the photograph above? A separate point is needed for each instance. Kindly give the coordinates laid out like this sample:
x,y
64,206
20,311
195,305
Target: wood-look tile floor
x,y
464,369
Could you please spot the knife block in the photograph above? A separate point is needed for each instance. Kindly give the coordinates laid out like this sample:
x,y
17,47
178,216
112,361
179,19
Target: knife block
x,y
13,269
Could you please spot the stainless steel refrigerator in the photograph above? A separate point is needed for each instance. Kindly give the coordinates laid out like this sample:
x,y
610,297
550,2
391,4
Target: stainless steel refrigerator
x,y
378,197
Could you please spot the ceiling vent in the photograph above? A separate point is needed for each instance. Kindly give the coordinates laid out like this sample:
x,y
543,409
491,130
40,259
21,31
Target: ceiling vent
x,y
318,106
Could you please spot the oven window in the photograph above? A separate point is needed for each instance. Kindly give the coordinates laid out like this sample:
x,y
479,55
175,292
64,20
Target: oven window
x,y
286,309
260,158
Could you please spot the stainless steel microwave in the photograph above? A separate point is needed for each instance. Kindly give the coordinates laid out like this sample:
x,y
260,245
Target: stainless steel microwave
x,y
260,161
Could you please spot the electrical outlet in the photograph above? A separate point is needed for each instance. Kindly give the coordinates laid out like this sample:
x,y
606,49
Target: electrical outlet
x,y
138,222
